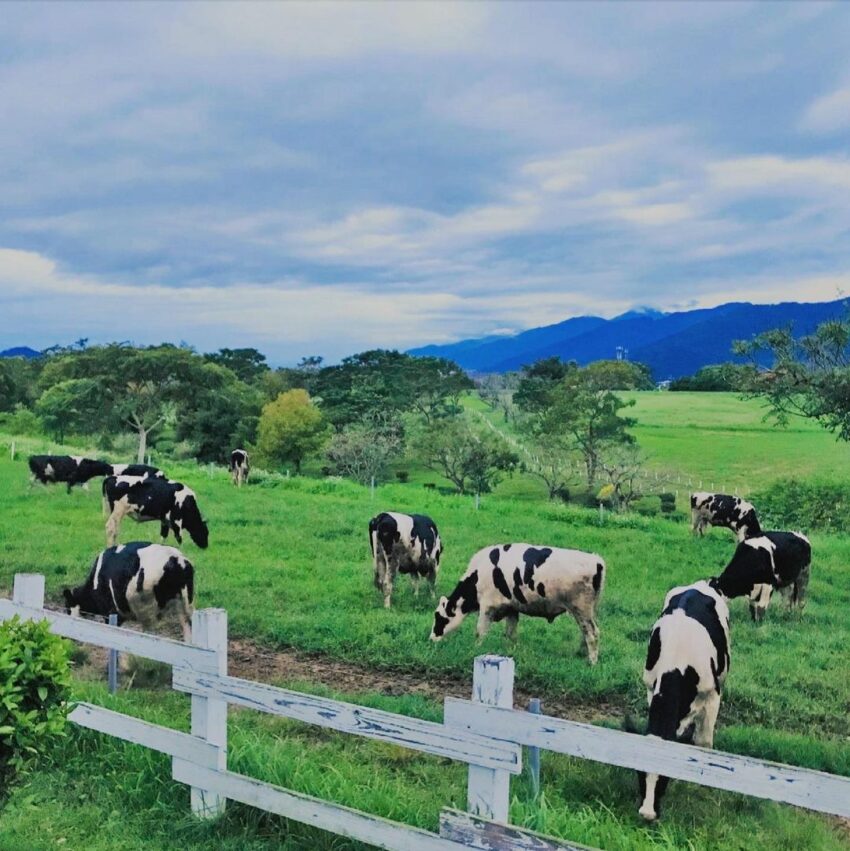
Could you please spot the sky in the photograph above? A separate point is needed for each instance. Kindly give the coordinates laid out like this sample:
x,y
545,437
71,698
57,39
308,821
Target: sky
x,y
320,178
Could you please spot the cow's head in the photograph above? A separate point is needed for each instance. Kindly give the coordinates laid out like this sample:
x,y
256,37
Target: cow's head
x,y
194,524
751,566
446,619
73,600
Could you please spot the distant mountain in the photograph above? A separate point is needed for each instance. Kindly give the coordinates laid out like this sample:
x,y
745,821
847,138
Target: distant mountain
x,y
671,344
19,352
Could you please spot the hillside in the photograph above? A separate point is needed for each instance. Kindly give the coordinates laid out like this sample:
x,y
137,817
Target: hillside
x,y
19,352
672,344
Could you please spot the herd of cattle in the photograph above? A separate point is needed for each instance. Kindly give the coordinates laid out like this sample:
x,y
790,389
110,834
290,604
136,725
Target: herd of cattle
x,y
689,650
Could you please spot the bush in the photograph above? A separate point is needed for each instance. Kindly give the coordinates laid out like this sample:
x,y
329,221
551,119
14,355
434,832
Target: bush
x,y
21,421
668,502
34,685
402,476
791,504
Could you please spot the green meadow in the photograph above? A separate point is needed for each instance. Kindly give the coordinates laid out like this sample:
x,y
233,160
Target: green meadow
x,y
289,559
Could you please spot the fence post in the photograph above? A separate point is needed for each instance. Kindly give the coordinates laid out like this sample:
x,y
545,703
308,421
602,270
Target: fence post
x,y
209,715
534,753
488,790
112,661
13,450
28,590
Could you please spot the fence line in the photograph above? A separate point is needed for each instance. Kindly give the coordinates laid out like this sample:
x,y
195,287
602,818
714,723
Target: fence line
x,y
486,733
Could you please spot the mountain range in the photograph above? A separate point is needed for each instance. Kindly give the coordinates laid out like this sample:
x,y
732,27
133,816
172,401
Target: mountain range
x,y
19,352
671,344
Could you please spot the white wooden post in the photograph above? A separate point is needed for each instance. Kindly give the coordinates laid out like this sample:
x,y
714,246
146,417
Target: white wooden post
x,y
488,791
209,715
112,661
534,753
28,590
13,450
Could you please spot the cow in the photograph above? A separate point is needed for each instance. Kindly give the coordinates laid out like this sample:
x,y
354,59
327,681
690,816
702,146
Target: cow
x,y
686,665
404,543
153,498
141,470
773,561
137,581
504,581
67,469
239,467
721,509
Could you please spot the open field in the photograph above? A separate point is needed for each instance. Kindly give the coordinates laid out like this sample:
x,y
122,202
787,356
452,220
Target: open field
x,y
290,561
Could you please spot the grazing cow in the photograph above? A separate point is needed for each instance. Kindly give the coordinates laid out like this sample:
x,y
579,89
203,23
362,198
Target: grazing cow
x,y
148,499
137,582
404,543
239,467
140,470
686,665
68,469
721,509
506,580
775,560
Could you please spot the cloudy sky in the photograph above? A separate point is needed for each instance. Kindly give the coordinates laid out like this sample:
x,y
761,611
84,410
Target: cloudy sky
x,y
321,178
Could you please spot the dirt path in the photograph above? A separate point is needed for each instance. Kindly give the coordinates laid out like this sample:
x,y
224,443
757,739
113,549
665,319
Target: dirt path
x,y
253,661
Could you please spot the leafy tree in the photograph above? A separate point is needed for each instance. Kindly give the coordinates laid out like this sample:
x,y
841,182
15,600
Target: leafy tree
x,y
8,390
361,452
247,364
497,392
538,381
620,375
809,376
724,377
290,428
436,386
551,460
472,459
70,407
622,466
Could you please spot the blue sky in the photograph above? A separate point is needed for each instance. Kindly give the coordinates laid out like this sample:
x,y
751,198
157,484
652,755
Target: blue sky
x,y
323,178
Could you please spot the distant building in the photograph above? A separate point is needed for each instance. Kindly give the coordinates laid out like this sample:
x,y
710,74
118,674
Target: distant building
x,y
622,353
663,385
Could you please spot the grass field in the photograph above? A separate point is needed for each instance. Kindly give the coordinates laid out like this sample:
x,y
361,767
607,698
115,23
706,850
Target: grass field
x,y
290,561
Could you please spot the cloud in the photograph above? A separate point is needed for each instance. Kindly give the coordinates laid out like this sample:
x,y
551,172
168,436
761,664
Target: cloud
x,y
829,113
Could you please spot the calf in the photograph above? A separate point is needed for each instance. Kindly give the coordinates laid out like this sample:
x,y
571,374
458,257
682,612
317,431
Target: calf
x,y
137,581
774,560
404,543
239,467
506,580
686,666
67,469
720,509
140,470
149,499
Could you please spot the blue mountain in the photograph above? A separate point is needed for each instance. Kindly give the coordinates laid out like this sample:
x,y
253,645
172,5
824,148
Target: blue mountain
x,y
671,344
19,352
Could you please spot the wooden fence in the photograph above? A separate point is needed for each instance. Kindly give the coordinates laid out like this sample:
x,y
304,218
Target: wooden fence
x,y
485,732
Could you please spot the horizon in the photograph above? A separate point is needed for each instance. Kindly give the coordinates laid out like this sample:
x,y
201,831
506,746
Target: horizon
x,y
328,178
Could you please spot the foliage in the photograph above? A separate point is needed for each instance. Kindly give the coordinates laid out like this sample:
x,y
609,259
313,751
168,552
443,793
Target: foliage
x,y
473,459
290,428
361,452
619,375
248,365
18,377
622,466
34,682
537,382
717,378
551,460
497,391
810,376
21,421
70,407
803,505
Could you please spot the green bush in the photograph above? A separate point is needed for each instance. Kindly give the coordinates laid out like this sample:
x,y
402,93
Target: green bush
x,y
794,505
668,502
34,685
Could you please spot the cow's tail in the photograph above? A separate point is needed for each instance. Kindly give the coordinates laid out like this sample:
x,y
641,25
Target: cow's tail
x,y
373,531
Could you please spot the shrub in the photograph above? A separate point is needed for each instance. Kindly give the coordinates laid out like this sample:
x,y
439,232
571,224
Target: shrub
x,y
34,685
668,502
402,476
792,504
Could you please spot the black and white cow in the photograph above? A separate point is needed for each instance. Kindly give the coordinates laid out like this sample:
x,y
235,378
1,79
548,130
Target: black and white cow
x,y
504,581
141,470
773,561
147,499
239,467
137,581
686,666
721,509
404,543
67,469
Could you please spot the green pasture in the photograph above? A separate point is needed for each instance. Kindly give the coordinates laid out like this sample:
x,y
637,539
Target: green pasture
x,y
289,559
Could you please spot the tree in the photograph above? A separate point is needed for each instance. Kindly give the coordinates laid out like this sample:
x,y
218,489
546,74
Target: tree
x,y
247,364
472,459
551,460
290,428
622,466
723,377
362,453
620,375
538,381
497,391
69,407
809,376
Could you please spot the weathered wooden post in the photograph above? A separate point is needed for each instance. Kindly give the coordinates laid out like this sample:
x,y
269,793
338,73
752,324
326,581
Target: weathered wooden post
x,y
488,790
534,753
372,487
477,500
13,450
28,590
112,661
209,715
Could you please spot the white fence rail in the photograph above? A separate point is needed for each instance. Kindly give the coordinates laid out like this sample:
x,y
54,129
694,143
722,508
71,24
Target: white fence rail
x,y
486,733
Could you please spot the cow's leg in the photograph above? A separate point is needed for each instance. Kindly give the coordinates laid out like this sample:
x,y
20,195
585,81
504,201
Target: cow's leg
x,y
113,524
484,621
590,636
800,586
759,600
185,615
163,529
511,621
417,582
432,582
380,565
388,581
706,721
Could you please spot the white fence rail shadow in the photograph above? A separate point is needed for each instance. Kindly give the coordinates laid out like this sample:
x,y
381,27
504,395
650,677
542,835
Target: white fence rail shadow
x,y
486,733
